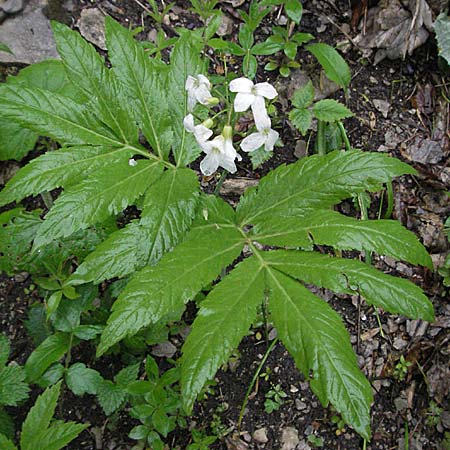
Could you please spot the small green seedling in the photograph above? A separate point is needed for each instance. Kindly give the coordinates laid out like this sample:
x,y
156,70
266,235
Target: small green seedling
x,y
401,369
274,399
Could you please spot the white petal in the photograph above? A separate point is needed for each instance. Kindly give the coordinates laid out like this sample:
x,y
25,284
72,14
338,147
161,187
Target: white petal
x,y
228,163
202,94
266,90
192,101
271,138
190,83
209,164
262,119
202,134
242,84
203,80
243,101
188,123
253,142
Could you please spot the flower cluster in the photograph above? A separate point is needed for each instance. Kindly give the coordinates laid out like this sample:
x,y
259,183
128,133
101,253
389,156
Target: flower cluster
x,y
219,150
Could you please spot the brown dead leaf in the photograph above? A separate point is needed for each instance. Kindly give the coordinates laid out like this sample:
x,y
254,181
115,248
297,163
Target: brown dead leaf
x,y
234,443
395,28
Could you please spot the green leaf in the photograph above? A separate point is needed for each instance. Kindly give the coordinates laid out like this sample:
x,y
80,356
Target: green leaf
x,y
5,48
53,302
317,339
60,168
127,375
224,318
52,375
110,397
143,80
50,351
334,65
168,211
185,60
4,349
87,70
442,30
301,38
59,435
6,426
139,432
38,418
54,115
6,444
317,182
160,292
15,141
82,380
246,38
87,332
385,237
290,50
12,387
304,96
396,295
294,10
330,110
301,119
268,47
101,195
250,65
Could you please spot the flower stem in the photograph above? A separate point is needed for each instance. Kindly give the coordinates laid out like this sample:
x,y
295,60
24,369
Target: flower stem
x,y
220,183
321,147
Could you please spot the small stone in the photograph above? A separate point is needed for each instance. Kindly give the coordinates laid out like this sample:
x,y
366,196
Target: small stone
x,y
273,333
400,404
246,436
226,26
299,405
383,106
289,438
260,436
300,149
152,35
164,350
425,151
12,6
399,343
373,80
445,419
293,389
92,26
282,20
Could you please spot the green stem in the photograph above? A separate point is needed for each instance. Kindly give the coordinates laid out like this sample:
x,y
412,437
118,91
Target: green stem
x,y
220,183
321,148
252,383
344,136
47,198
364,216
390,200
379,323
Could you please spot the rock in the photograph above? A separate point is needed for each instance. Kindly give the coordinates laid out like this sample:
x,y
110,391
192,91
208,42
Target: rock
x,y
425,151
7,170
260,436
299,405
28,35
12,6
226,27
445,419
164,350
400,404
289,438
300,149
92,26
399,343
237,186
235,3
383,106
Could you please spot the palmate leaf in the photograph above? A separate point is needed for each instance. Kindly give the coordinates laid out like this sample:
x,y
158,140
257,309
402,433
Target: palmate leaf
x,y
393,294
222,321
161,291
317,182
60,168
330,110
15,141
13,389
317,339
385,237
168,211
101,195
6,444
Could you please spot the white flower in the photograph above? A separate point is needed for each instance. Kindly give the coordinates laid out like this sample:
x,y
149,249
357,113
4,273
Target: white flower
x,y
201,133
219,152
265,136
198,89
249,93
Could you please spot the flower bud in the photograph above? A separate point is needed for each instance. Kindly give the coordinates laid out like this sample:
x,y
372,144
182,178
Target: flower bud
x,y
227,133
208,123
212,101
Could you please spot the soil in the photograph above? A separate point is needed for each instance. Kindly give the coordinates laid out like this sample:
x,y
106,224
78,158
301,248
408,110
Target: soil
x,y
413,90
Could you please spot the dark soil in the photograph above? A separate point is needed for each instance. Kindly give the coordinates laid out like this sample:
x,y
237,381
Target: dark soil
x,y
421,204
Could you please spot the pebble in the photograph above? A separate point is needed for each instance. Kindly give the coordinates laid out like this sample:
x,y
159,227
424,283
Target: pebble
x,y
260,436
164,350
226,27
399,343
289,438
299,405
92,26
12,6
